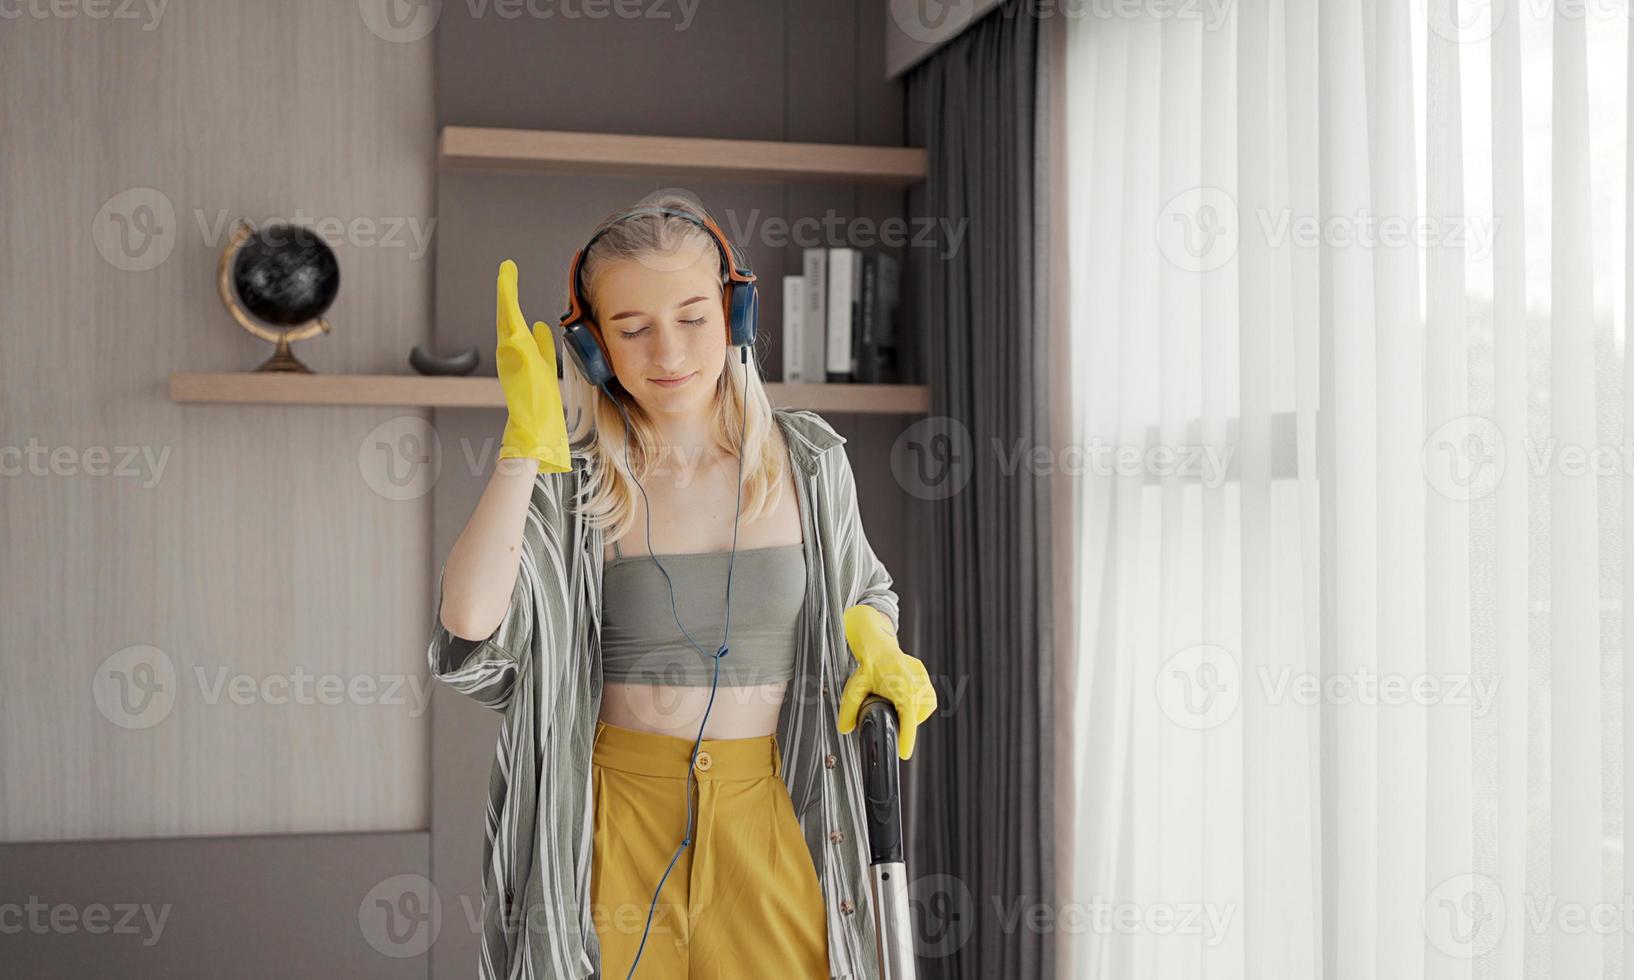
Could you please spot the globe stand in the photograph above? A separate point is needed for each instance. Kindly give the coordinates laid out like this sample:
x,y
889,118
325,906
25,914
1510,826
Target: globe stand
x,y
283,359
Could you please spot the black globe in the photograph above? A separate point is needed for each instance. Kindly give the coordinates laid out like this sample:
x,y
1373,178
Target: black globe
x,y
285,275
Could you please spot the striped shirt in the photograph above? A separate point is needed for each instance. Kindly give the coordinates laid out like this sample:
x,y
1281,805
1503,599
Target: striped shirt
x,y
542,669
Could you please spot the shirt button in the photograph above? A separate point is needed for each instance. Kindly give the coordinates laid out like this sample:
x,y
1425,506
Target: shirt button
x,y
825,690
704,762
836,837
828,760
847,907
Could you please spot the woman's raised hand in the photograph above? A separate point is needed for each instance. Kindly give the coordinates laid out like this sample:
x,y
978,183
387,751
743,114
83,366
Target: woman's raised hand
x,y
537,424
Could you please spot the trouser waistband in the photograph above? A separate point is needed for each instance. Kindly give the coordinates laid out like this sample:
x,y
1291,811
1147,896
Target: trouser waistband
x,y
652,754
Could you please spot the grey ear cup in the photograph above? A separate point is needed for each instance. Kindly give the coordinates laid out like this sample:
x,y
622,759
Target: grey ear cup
x,y
587,353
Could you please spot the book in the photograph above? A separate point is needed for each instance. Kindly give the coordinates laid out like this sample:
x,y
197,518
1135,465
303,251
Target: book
x,y
794,316
876,346
815,322
844,312
888,295
867,364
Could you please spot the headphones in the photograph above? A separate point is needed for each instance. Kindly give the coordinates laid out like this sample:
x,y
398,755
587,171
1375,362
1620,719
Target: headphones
x,y
585,343
583,336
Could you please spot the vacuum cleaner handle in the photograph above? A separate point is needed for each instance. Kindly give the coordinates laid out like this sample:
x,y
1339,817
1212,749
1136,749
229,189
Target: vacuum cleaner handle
x,y
881,781
882,792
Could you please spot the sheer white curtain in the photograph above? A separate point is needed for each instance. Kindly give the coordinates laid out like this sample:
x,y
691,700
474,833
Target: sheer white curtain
x,y
1347,335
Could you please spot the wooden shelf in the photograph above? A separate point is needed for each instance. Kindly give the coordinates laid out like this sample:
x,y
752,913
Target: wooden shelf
x,y
474,148
268,388
418,391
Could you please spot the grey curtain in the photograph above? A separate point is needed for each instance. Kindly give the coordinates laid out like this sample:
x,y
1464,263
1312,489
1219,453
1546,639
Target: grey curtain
x,y
981,847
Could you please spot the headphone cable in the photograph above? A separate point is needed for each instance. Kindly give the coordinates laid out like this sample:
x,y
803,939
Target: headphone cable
x,y
715,683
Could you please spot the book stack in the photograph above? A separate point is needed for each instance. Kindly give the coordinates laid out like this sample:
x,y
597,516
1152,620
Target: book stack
x,y
839,318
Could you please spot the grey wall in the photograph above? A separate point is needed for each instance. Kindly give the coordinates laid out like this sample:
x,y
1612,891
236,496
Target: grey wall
x,y
915,31
300,905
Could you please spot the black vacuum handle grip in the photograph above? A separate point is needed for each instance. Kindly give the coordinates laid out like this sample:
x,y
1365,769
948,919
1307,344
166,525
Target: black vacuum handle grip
x,y
881,781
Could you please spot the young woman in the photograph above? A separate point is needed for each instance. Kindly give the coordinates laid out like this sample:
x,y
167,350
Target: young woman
x,y
658,608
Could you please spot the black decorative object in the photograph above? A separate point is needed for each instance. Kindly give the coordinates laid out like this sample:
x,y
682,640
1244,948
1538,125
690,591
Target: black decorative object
x,y
425,362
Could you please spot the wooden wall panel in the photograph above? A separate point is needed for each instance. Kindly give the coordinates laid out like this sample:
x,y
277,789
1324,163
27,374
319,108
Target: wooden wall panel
x,y
261,548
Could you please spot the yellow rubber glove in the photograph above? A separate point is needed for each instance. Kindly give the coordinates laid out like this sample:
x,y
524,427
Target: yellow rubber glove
x,y
537,425
885,670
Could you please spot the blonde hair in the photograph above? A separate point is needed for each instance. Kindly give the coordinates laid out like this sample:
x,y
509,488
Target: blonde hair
x,y
607,498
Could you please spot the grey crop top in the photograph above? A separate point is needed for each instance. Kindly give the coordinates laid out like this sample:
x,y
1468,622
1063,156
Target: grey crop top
x,y
640,643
